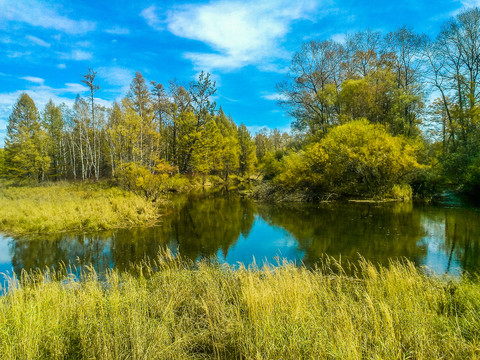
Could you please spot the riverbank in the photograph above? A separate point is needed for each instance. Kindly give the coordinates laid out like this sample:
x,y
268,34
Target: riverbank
x,y
207,311
67,206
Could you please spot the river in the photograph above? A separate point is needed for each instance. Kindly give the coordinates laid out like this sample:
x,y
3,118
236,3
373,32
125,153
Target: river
x,y
233,229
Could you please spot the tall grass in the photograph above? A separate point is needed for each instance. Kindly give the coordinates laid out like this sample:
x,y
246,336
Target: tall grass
x,y
71,206
171,309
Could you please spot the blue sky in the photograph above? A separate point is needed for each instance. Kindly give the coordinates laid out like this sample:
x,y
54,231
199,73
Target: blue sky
x,y
46,46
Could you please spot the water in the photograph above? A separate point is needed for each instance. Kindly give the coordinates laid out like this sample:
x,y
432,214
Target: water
x,y
233,229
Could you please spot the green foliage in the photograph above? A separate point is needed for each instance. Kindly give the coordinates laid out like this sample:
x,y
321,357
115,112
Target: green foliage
x,y
378,98
53,123
355,159
247,154
182,311
150,183
26,154
2,163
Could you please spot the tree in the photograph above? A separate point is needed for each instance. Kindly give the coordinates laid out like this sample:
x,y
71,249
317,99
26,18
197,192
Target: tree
x,y
141,103
201,92
53,124
315,75
2,162
26,144
247,156
89,80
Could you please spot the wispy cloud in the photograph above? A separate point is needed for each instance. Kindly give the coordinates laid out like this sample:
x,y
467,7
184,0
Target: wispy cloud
x,y
37,13
470,3
118,30
151,17
240,33
18,54
77,55
33,79
116,76
38,41
274,97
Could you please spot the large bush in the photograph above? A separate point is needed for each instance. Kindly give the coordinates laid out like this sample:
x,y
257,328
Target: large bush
x,y
355,159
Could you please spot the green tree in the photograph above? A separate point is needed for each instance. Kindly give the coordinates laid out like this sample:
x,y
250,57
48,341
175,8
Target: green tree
x,y
2,162
26,144
207,149
141,102
247,156
53,124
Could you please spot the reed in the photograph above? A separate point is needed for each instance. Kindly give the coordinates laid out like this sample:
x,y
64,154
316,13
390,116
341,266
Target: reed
x,y
174,309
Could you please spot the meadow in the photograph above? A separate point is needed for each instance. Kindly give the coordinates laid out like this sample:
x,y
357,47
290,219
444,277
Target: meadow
x,y
62,206
175,309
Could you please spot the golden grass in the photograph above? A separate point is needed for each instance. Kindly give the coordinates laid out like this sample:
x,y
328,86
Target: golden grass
x,y
181,311
71,206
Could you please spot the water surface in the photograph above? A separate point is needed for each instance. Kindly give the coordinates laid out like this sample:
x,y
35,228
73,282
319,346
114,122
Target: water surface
x,y
233,229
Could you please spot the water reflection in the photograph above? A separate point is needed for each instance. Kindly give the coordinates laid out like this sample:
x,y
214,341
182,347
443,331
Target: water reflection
x,y
234,230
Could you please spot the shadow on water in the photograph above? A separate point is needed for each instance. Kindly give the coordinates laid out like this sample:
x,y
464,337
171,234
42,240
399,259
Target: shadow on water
x,y
232,229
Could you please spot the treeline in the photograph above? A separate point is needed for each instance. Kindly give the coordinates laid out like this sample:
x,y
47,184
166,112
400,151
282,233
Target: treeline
x,y
148,136
364,123
368,126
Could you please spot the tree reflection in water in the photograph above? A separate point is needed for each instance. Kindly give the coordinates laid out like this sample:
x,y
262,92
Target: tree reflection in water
x,y
206,225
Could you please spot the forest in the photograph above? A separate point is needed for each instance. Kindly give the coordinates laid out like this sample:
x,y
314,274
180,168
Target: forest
x,y
390,115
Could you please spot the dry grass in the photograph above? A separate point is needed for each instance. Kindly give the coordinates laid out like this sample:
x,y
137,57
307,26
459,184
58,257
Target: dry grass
x,y
71,206
181,311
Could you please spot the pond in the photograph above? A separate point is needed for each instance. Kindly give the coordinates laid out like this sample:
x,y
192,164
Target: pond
x,y
234,229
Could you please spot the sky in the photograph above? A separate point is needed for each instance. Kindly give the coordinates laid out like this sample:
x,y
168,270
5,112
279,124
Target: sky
x,y
46,46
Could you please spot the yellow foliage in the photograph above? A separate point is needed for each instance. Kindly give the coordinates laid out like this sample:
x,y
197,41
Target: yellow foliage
x,y
358,158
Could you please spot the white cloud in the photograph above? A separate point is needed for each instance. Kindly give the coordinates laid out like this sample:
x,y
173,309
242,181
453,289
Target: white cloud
x,y
117,30
61,66
34,79
18,54
150,16
38,41
74,88
36,13
274,97
240,32
339,38
470,3
77,55
117,76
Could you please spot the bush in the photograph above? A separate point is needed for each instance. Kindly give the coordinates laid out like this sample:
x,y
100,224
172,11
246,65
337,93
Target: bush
x,y
150,183
355,159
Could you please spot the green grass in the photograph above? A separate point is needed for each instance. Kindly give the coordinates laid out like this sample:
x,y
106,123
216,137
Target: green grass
x,y
71,207
181,311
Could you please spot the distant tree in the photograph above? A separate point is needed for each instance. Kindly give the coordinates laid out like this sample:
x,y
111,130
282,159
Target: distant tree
x,y
26,144
2,162
89,80
247,156
141,102
53,124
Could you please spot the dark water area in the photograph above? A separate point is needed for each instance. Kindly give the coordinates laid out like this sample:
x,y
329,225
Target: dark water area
x,y
233,229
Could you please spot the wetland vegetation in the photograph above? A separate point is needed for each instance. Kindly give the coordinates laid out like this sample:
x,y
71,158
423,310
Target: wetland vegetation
x,y
185,311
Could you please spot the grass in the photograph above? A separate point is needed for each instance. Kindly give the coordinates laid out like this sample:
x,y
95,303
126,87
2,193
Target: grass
x,y
71,207
182,311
